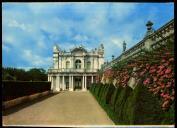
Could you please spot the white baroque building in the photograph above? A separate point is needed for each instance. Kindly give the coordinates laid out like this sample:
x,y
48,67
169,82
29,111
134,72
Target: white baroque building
x,y
76,69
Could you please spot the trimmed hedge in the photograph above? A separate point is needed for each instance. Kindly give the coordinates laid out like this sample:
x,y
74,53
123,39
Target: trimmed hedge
x,y
146,107
15,89
114,97
129,107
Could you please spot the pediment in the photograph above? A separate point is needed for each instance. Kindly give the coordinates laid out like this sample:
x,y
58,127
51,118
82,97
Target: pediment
x,y
79,50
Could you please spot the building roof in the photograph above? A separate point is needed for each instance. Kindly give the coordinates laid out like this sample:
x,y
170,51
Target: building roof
x,y
80,48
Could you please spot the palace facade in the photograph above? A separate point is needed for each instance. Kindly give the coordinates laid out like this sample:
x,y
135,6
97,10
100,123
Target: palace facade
x,y
75,69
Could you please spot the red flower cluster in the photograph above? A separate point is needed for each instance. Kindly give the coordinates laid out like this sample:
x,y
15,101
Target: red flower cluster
x,y
108,73
157,71
162,80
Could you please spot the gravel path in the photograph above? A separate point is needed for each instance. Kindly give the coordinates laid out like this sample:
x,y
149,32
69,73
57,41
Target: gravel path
x,y
65,108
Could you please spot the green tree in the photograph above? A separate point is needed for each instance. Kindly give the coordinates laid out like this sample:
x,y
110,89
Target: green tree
x,y
34,74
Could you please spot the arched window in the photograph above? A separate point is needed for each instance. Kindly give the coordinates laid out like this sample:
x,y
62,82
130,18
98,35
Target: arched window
x,y
78,64
88,65
67,64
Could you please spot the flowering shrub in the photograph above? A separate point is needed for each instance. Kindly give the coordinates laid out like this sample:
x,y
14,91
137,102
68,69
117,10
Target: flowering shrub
x,y
155,68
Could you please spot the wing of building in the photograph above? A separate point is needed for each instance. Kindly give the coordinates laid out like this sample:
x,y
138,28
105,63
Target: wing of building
x,y
75,69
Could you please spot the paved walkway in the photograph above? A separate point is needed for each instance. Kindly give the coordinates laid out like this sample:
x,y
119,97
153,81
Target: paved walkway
x,y
65,108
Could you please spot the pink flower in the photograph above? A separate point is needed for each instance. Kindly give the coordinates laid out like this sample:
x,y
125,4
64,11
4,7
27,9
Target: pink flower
x,y
168,70
162,94
142,73
171,59
161,67
152,67
166,64
155,79
159,83
168,85
161,73
147,81
163,60
152,70
165,104
173,92
168,75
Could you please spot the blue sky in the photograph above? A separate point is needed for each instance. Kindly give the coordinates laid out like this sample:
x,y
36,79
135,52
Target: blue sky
x,y
30,30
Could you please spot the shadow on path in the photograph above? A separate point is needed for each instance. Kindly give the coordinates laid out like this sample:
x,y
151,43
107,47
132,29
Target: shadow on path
x,y
26,104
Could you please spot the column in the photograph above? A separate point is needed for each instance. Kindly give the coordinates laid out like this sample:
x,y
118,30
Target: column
x,y
63,85
83,82
92,80
50,78
51,83
72,64
54,83
57,83
72,83
69,82
92,63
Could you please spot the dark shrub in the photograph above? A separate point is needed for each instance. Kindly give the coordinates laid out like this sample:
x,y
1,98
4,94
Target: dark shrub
x,y
99,88
110,91
169,116
94,88
91,87
103,97
147,109
102,91
115,96
15,89
119,105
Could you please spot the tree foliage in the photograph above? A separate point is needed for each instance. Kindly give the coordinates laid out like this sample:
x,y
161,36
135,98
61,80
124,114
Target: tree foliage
x,y
34,74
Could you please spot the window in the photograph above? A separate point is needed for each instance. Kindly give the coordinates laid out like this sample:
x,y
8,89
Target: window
x,y
78,64
67,64
88,65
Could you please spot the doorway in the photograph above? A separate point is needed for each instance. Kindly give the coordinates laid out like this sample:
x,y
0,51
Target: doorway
x,y
78,83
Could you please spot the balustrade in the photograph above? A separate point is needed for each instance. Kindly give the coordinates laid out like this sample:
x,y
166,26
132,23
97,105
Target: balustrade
x,y
158,37
71,70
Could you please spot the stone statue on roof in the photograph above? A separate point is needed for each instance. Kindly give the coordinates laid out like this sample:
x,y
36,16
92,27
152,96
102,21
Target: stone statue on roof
x,y
124,46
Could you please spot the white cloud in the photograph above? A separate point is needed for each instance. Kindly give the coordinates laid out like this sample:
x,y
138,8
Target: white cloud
x,y
14,23
117,42
47,8
121,11
25,67
80,38
8,39
41,44
6,48
36,60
